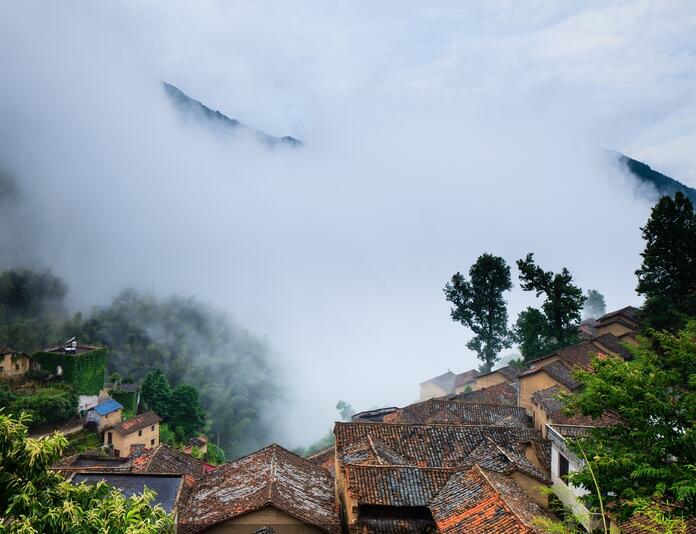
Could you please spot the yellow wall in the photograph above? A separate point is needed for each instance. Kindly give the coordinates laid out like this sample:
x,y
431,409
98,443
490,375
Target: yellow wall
x,y
613,328
540,419
14,368
489,380
110,419
529,384
532,487
281,522
122,444
430,391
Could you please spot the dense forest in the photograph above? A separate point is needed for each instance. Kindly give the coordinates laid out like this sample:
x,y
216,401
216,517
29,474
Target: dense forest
x,y
191,342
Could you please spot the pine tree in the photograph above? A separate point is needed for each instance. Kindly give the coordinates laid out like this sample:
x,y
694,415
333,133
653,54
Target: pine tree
x,y
595,306
479,305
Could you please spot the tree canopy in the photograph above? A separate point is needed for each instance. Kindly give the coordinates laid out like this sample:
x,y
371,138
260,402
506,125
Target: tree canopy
x,y
595,306
479,304
34,499
650,451
667,276
563,302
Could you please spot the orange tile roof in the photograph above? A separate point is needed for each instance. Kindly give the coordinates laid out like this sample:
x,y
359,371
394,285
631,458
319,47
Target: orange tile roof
x,y
136,423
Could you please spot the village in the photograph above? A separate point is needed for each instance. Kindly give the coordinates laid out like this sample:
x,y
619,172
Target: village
x,y
478,452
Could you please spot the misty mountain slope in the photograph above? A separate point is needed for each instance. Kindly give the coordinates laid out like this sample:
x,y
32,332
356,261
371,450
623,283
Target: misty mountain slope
x,y
662,183
194,109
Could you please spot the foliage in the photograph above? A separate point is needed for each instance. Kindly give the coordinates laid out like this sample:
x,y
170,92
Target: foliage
x,y
156,393
346,410
327,440
34,499
478,304
185,414
215,455
47,405
84,371
84,440
561,308
530,332
128,399
595,306
667,276
191,343
651,450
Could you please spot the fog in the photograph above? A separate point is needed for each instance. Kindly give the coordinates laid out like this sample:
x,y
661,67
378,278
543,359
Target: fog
x,y
431,135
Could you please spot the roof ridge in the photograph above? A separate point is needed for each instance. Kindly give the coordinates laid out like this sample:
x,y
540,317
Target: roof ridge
x,y
501,496
374,449
273,467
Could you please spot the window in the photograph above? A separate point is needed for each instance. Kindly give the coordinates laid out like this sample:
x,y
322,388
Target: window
x,y
152,428
110,438
16,367
140,433
563,465
117,453
152,442
0,369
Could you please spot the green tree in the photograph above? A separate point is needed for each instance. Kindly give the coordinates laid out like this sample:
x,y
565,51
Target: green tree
x,y
479,305
650,452
667,276
595,306
156,393
185,415
563,302
34,499
531,333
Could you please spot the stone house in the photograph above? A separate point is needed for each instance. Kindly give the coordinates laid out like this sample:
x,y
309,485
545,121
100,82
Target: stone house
x,y
507,374
447,384
105,414
140,431
14,364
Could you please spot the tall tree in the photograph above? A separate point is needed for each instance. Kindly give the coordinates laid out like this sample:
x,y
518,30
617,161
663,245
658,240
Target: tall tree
x,y
667,276
479,305
33,498
595,306
650,450
185,414
563,300
531,333
156,393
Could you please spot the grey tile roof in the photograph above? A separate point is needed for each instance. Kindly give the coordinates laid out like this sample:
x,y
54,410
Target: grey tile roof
x,y
457,412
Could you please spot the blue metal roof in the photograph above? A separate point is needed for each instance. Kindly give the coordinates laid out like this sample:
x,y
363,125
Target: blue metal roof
x,y
107,407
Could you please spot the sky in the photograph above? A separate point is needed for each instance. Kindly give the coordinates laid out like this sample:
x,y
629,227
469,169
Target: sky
x,y
432,132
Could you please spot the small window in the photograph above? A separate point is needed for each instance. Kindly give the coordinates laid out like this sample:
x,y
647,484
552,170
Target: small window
x,y
0,368
117,453
16,367
152,428
110,438
563,465
140,433
152,442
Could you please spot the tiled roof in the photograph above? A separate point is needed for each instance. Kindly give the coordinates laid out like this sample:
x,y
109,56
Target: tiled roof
x,y
429,445
504,394
445,381
4,349
325,459
271,476
642,524
107,407
466,377
481,502
614,344
370,451
166,487
494,457
629,313
549,400
509,371
374,415
395,485
391,523
457,412
558,371
165,459
91,461
136,423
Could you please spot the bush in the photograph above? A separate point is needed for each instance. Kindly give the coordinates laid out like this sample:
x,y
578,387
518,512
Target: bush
x,y
50,405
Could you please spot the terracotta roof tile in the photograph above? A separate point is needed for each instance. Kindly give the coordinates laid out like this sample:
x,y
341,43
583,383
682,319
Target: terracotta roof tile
x,y
481,502
503,394
136,423
457,412
271,476
326,459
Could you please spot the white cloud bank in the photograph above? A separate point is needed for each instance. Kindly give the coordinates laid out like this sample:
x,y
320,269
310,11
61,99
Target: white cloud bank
x,y
434,133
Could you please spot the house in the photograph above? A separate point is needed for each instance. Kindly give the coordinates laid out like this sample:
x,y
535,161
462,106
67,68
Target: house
x,y
520,453
504,393
621,323
200,443
272,488
438,387
448,411
14,364
142,430
448,384
465,381
552,374
416,478
168,488
82,366
564,461
507,374
105,414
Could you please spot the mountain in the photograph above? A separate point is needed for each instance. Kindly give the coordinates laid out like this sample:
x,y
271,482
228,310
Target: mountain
x,y
662,183
192,108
